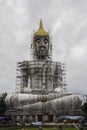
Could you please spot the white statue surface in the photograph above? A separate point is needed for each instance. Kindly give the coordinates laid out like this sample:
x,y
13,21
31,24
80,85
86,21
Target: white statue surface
x,y
41,82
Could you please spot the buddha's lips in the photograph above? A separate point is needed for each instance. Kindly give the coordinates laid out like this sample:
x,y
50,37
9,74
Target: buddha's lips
x,y
42,49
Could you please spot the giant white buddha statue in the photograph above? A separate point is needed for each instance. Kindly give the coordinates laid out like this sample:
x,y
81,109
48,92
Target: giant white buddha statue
x,y
41,83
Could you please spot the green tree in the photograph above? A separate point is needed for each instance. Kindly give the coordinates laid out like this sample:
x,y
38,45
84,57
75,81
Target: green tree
x,y
84,108
2,104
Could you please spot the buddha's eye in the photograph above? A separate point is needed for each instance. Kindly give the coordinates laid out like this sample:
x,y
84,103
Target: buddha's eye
x,y
38,41
45,41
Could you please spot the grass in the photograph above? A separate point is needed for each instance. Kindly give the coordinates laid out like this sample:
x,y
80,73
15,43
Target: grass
x,y
15,128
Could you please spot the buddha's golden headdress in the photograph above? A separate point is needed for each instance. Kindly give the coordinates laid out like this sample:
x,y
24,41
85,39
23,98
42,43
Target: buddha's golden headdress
x,y
41,31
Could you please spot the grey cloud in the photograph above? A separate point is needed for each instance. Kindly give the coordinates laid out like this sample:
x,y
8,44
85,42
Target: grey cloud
x,y
68,25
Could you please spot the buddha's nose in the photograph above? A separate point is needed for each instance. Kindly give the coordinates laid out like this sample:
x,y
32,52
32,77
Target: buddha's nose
x,y
42,42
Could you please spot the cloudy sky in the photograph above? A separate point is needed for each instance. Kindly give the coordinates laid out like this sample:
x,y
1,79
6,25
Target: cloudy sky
x,y
66,20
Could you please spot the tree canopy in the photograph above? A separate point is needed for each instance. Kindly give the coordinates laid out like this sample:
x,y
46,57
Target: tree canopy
x,y
84,108
2,104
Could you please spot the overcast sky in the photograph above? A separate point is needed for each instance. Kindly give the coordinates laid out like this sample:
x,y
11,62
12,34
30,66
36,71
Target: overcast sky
x,y
67,22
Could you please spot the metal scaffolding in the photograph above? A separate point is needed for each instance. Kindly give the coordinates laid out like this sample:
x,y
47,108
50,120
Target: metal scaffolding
x,y
45,72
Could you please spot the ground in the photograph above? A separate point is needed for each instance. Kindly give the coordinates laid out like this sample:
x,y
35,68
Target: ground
x,y
29,128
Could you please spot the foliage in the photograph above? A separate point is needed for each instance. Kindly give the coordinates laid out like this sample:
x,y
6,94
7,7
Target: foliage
x,y
84,108
70,128
30,128
2,103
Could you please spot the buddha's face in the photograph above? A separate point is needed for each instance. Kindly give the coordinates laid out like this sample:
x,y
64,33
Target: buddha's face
x,y
41,45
